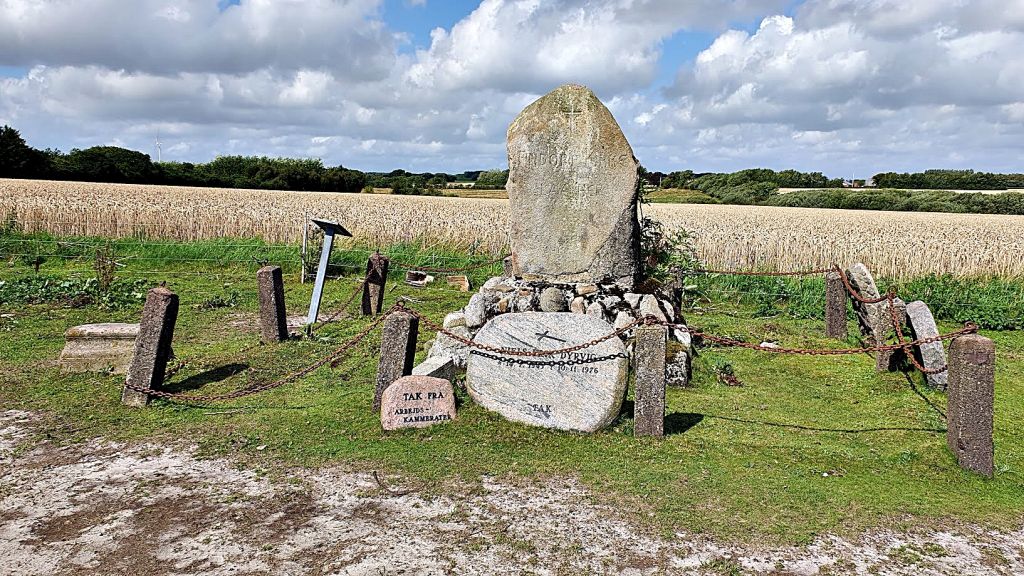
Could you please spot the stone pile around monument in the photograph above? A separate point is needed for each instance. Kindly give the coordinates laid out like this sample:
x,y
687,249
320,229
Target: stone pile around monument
x,y
575,235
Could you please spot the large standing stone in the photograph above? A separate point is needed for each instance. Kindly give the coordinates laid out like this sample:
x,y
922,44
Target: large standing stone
x,y
649,405
152,346
397,351
273,319
969,419
107,347
931,355
584,394
572,189
417,402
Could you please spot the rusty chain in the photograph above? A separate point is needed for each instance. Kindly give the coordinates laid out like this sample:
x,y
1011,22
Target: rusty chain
x,y
251,390
344,306
908,349
491,351
968,329
754,273
653,321
560,363
516,351
890,298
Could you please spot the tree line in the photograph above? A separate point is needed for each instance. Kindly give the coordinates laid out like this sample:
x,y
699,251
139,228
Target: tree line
x,y
949,180
120,165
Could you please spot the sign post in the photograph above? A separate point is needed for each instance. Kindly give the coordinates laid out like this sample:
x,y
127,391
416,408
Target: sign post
x,y
330,229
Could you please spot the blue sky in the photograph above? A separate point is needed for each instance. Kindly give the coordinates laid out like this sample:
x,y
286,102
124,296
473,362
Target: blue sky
x,y
847,87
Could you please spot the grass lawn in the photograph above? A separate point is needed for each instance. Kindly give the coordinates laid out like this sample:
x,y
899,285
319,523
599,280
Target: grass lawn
x,y
807,445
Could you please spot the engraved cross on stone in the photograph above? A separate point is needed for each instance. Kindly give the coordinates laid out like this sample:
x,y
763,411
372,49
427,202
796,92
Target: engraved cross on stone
x,y
572,113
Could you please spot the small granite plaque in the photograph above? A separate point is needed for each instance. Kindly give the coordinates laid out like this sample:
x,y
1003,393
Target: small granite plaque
x,y
417,402
580,390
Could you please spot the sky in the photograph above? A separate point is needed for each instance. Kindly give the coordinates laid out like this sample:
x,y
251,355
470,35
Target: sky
x,y
846,87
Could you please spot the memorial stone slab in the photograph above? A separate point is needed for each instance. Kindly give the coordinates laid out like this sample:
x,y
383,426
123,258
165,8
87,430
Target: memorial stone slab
x,y
417,402
932,355
106,347
868,315
580,390
572,190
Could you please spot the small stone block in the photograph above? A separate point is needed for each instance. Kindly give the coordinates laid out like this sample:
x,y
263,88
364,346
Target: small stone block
x,y
152,347
417,402
273,319
397,351
436,367
460,282
969,415
106,347
835,307
373,289
649,406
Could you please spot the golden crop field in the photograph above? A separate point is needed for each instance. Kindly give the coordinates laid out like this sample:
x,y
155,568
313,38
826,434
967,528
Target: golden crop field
x,y
893,244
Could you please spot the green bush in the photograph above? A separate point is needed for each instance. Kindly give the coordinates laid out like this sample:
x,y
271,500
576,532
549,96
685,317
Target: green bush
x,y
73,292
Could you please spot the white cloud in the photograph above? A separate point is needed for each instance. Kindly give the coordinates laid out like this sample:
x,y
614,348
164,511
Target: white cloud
x,y
836,85
528,45
170,37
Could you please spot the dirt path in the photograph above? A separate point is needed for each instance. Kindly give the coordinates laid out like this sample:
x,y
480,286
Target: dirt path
x,y
102,508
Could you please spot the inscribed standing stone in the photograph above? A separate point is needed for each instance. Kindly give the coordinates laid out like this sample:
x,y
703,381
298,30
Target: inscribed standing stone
x,y
932,355
572,191
580,390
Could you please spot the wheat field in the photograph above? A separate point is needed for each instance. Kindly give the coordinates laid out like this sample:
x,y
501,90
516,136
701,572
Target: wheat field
x,y
893,244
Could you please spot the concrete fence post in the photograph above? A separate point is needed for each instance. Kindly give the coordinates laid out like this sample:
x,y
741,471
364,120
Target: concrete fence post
x,y
649,404
152,346
373,288
397,351
971,395
835,307
273,322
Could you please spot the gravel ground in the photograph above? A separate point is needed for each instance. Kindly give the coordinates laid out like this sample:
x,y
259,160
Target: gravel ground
x,y
105,508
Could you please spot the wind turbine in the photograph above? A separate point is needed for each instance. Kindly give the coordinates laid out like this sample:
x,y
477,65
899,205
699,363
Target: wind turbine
x,y
159,151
